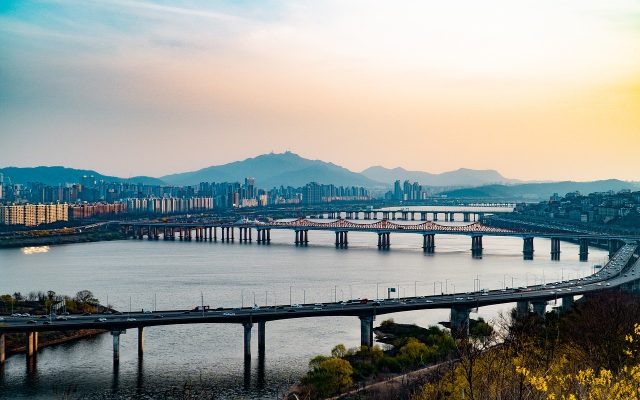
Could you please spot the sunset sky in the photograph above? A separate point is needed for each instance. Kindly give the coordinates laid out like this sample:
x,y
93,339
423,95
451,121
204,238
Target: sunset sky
x,y
543,90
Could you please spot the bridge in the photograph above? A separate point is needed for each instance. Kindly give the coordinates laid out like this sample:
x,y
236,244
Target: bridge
x,y
208,231
448,214
622,271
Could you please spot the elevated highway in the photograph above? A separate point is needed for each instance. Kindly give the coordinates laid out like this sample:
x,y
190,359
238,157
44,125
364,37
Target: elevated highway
x,y
622,271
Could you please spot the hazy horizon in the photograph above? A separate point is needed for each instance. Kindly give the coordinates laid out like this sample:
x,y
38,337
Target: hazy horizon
x,y
535,90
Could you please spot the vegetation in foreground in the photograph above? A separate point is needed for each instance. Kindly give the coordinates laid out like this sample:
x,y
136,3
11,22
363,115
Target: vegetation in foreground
x,y
591,353
408,347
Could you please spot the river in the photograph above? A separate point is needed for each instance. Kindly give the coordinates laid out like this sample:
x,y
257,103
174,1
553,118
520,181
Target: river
x,y
176,275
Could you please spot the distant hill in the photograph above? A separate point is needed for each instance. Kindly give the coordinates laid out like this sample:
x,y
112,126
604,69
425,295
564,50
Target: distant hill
x,y
540,191
61,175
460,177
274,169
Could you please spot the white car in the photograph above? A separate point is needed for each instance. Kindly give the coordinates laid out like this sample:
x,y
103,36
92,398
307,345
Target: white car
x,y
228,314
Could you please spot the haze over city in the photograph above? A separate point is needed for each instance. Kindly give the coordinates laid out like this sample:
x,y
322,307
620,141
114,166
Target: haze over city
x,y
536,90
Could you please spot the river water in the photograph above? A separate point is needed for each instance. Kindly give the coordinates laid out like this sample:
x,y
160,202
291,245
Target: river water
x,y
176,274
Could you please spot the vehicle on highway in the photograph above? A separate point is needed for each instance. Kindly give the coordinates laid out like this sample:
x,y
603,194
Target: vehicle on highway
x,y
228,314
101,319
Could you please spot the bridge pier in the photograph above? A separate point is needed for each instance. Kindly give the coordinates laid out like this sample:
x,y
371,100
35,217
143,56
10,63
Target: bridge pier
x,y
366,330
584,250
342,239
527,248
614,246
261,338
459,322
384,240
140,341
555,249
476,246
429,243
567,303
31,344
248,326
539,307
3,355
522,308
116,345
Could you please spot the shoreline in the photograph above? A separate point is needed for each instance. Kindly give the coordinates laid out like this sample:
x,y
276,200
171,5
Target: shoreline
x,y
51,240
43,343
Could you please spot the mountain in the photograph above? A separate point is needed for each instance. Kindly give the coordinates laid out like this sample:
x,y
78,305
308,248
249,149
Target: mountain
x,y
460,177
540,191
274,169
54,176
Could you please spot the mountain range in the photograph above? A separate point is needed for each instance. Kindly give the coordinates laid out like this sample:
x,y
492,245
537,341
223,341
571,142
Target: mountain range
x,y
459,177
289,169
57,175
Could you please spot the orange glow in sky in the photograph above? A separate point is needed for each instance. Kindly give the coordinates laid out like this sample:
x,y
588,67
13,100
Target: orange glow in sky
x,y
540,90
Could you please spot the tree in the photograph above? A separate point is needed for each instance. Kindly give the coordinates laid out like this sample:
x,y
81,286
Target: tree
x,y
416,352
332,376
339,351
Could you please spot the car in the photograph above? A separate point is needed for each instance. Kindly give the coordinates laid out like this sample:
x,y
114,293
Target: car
x,y
1,319
469,298
579,287
101,319
47,323
317,308
86,314
459,298
318,305
118,313
376,303
158,316
148,312
255,307
608,284
228,314
428,301
599,283
32,321
130,319
61,318
484,294
296,306
291,310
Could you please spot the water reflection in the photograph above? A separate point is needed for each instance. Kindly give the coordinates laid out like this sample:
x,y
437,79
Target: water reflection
x,y
35,249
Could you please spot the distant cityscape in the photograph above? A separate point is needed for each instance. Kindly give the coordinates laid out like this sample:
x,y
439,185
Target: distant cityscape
x,y
33,204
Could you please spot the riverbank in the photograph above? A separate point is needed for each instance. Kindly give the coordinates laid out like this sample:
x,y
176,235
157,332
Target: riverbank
x,y
15,342
55,238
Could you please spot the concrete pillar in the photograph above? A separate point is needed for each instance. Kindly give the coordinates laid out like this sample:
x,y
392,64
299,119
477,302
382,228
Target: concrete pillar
x,y
584,250
247,338
366,330
250,239
306,237
261,338
429,243
567,303
539,307
459,321
31,343
555,249
116,345
379,240
522,308
140,341
476,246
337,239
388,239
613,247
527,248
268,235
232,233
3,356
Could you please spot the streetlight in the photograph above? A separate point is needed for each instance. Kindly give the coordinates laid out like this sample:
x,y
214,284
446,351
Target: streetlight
x,y
446,286
415,288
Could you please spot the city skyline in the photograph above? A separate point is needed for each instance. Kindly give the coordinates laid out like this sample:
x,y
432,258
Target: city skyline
x,y
536,91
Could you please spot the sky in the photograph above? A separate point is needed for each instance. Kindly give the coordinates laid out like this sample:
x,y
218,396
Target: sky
x,y
538,90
